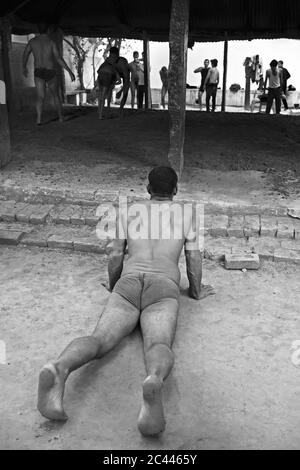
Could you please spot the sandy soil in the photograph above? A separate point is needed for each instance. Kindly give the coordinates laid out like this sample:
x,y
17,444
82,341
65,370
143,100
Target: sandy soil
x,y
233,158
233,385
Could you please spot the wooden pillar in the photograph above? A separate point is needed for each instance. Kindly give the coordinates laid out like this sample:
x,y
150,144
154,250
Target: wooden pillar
x,y
225,63
248,68
148,101
179,30
6,47
5,149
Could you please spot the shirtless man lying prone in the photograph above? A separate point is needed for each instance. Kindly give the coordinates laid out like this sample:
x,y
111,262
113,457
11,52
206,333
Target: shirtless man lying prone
x,y
145,289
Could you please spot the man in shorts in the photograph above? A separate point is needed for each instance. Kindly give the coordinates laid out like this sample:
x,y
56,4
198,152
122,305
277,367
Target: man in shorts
x,y
144,290
46,56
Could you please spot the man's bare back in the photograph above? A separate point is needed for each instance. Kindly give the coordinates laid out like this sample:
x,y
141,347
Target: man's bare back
x,y
46,57
44,52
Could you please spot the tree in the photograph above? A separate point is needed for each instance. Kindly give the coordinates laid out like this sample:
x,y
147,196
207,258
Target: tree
x,y
80,48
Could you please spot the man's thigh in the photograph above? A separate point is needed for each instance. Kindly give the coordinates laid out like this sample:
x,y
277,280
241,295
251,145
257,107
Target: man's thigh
x,y
118,319
159,321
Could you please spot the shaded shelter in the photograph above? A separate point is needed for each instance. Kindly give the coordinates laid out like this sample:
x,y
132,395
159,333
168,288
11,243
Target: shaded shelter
x,y
181,22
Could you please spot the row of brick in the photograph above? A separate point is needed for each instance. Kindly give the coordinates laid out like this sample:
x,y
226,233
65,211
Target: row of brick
x,y
10,211
251,226
215,249
65,241
215,225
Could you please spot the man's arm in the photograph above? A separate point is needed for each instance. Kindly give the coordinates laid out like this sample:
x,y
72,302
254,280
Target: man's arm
x,y
116,252
26,54
193,251
62,62
198,70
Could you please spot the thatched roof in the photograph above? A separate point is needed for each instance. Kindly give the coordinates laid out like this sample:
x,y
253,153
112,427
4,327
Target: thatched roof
x,y
242,19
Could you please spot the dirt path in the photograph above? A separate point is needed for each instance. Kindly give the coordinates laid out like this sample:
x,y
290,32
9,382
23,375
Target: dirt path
x,y
233,385
229,158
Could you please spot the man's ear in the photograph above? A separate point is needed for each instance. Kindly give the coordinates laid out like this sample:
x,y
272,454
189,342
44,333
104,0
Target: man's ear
x,y
149,189
175,191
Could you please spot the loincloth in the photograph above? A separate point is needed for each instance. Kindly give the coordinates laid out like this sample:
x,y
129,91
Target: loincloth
x,y
143,289
45,74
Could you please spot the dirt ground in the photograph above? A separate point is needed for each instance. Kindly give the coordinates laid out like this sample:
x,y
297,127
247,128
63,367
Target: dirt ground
x,y
232,158
233,386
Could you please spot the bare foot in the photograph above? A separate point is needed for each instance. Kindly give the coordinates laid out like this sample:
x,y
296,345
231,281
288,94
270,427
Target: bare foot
x,y
50,394
151,419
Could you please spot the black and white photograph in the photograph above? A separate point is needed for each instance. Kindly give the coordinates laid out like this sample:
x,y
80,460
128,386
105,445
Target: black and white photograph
x,y
149,228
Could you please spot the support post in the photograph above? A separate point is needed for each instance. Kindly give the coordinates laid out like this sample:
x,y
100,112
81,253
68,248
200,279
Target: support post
x,y
148,101
225,64
6,47
179,30
5,149
248,67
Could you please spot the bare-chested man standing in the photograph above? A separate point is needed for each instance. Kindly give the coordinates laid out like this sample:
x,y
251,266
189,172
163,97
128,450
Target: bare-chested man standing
x,y
144,289
46,55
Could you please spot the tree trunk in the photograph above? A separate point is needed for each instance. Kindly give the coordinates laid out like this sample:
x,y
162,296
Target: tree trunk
x,y
179,29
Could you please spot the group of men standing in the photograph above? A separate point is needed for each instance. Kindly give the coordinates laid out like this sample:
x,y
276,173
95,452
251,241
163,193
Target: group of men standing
x,y
277,76
210,78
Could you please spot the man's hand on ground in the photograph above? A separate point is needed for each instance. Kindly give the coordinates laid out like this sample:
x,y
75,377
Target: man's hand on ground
x,y
205,292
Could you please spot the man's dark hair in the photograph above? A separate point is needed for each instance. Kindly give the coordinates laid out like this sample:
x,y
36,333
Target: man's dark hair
x,y
274,63
214,62
163,180
114,50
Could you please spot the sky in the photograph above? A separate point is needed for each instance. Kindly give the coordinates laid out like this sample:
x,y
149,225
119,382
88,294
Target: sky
x,y
287,50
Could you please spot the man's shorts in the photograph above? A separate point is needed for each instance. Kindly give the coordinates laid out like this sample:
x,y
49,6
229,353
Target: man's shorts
x,y
142,289
45,74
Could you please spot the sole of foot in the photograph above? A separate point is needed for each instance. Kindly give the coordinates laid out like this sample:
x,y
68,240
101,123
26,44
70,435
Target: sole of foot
x,y
50,394
151,421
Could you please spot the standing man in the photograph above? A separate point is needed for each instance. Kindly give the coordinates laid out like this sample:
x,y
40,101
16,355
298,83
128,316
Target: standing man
x,y
134,77
145,291
164,76
274,76
46,55
211,85
204,71
285,76
141,83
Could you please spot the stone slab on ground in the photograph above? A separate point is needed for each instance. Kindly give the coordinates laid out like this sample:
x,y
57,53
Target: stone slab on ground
x,y
236,226
251,225
40,213
285,255
7,211
10,237
286,228
248,261
90,245
268,227
60,241
219,226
